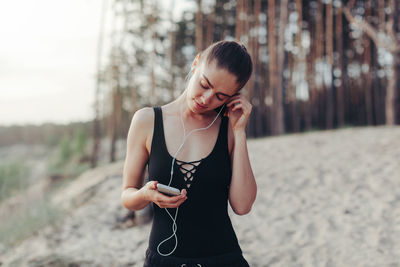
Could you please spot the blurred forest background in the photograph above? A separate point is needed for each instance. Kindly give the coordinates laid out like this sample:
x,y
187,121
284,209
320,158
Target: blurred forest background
x,y
318,65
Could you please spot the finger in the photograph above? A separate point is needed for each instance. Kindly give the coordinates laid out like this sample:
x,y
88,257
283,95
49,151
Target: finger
x,y
232,98
176,204
152,184
168,204
163,199
240,106
229,101
167,200
234,102
175,199
245,106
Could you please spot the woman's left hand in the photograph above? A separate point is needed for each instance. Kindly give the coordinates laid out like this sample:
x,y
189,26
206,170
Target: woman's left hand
x,y
239,110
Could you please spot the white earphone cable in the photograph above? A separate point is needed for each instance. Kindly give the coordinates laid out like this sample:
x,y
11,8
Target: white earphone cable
x,y
185,137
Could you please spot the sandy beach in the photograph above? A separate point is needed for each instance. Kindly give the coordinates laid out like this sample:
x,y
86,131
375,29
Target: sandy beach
x,y
328,198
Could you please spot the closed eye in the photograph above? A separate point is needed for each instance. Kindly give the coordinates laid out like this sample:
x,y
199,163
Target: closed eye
x,y
218,96
204,87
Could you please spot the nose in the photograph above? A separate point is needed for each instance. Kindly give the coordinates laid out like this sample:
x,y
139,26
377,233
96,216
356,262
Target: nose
x,y
207,96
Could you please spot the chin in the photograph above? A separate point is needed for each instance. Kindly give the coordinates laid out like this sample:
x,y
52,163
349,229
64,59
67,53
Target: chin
x,y
195,108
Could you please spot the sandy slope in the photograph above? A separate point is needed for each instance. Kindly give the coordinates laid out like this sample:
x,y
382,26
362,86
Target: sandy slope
x,y
324,199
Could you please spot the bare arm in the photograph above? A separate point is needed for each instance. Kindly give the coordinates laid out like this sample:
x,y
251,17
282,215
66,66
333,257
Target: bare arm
x,y
134,195
133,198
243,188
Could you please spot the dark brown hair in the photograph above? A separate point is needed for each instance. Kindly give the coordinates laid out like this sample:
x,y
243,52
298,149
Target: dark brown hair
x,y
232,56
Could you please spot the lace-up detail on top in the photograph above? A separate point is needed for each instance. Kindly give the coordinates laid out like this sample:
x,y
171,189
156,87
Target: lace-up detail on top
x,y
207,183
188,169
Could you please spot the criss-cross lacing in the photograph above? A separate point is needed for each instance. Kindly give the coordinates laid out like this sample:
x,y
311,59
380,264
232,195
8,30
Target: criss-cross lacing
x,y
188,170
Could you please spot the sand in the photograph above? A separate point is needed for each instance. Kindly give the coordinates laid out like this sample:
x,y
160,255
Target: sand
x,y
327,198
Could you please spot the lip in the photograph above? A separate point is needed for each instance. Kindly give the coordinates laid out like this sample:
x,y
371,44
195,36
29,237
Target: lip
x,y
198,106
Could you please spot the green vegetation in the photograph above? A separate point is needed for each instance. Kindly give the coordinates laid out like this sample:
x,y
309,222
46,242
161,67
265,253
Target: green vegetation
x,y
49,134
12,177
80,141
66,161
71,156
26,220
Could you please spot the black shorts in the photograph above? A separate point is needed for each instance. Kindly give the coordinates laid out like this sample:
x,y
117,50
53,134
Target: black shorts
x,y
232,259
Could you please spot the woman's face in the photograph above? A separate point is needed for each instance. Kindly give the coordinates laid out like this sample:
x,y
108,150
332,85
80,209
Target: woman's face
x,y
210,87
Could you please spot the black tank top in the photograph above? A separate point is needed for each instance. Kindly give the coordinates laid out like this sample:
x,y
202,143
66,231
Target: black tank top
x,y
204,226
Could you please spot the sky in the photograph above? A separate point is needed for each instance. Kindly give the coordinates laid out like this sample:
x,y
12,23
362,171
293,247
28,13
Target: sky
x,y
48,54
47,60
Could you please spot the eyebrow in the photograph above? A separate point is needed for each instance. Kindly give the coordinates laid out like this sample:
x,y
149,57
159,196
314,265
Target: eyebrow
x,y
204,76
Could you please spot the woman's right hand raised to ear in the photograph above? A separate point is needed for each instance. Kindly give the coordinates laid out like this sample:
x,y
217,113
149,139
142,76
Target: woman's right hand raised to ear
x,y
163,201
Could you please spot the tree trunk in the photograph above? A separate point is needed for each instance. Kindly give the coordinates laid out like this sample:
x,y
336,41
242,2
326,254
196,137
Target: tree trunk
x,y
272,66
258,119
376,91
310,75
291,103
339,66
153,98
96,122
367,75
239,24
278,96
319,109
299,63
112,123
172,48
329,63
199,27
390,100
397,86
396,58
391,94
210,28
251,84
115,109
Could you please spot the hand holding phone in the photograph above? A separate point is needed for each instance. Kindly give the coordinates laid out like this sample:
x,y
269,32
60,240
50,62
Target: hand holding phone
x,y
169,190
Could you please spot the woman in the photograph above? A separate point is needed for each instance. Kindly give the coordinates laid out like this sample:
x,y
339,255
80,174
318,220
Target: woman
x,y
196,143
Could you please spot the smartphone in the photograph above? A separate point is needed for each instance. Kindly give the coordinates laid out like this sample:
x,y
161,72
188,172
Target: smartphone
x,y
168,189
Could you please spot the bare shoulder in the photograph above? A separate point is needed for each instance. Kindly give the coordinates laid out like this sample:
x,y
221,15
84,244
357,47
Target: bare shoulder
x,y
142,126
143,119
143,114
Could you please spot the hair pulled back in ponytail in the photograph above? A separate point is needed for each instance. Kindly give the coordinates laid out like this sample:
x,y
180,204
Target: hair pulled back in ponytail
x,y
232,56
